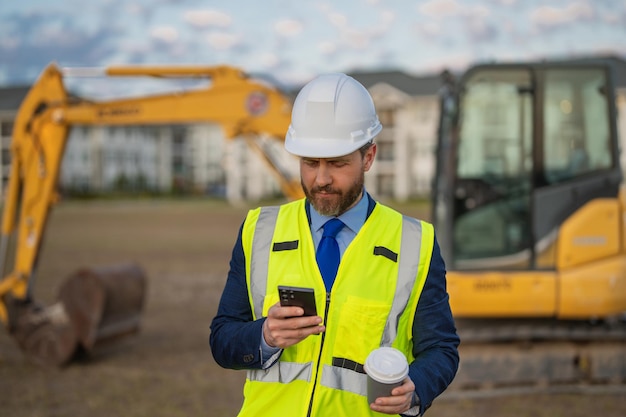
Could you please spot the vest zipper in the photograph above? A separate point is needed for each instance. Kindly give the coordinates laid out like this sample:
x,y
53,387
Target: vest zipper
x,y
319,356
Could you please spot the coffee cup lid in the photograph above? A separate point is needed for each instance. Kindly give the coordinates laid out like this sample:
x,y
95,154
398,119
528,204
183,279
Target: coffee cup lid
x,y
387,364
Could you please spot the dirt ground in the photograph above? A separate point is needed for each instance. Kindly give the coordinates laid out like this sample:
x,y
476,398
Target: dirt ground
x,y
167,369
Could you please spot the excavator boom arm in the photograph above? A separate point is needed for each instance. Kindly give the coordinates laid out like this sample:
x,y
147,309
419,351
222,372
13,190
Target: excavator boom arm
x,y
241,105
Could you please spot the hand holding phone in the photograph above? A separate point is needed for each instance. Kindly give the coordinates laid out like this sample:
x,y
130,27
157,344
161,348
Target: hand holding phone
x,y
282,331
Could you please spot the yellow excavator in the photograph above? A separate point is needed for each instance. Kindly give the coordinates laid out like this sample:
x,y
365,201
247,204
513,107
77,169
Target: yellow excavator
x,y
100,304
529,206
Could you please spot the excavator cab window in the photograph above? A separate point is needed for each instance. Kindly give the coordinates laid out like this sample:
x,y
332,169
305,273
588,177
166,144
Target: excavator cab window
x,y
531,144
494,170
576,131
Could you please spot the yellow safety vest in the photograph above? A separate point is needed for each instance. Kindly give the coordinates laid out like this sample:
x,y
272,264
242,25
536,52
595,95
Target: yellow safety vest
x,y
372,304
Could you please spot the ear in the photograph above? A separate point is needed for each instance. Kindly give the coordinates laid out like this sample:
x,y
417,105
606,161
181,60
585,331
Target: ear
x,y
368,158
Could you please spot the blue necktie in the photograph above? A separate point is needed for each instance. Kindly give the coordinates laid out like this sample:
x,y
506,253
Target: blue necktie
x,y
328,252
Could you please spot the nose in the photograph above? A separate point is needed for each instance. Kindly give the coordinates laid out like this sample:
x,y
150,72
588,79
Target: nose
x,y
323,176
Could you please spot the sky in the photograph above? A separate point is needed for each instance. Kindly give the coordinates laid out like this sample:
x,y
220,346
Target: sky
x,y
292,41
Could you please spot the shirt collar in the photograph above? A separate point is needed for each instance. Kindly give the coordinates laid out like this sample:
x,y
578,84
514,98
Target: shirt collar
x,y
353,218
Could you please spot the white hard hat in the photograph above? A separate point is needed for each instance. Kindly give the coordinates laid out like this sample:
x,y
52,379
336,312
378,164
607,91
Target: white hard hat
x,y
333,115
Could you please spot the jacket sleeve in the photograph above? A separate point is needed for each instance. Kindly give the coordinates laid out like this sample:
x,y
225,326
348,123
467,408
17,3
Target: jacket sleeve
x,y
235,337
435,340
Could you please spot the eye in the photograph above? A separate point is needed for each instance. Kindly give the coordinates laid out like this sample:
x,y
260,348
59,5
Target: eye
x,y
310,162
339,163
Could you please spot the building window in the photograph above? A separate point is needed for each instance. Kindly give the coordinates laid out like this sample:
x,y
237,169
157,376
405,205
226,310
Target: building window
x,y
7,128
386,117
385,185
385,151
6,157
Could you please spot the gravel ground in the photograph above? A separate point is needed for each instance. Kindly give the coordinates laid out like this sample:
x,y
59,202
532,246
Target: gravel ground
x,y
167,369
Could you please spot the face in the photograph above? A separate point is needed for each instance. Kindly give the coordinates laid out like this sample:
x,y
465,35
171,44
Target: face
x,y
334,185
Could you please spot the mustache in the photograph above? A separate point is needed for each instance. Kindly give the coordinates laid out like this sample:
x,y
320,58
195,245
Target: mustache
x,y
324,189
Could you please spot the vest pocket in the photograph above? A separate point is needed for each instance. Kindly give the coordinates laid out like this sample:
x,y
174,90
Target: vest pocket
x,y
360,329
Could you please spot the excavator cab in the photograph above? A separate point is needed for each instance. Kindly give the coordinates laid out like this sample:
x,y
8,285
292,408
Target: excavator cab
x,y
528,199
96,305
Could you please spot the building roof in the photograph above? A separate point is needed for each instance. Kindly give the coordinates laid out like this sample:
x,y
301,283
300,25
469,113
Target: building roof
x,y
410,84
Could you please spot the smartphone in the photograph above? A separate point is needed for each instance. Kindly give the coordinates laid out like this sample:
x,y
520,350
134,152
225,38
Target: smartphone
x,y
298,297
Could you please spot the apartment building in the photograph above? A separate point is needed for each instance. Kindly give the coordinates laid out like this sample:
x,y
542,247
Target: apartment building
x,y
10,99
408,108
198,159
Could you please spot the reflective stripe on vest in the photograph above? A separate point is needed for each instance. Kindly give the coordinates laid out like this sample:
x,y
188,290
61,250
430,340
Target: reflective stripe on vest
x,y
261,247
283,372
407,274
344,379
332,377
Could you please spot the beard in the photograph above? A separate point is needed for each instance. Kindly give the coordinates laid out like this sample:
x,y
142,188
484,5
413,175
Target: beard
x,y
334,202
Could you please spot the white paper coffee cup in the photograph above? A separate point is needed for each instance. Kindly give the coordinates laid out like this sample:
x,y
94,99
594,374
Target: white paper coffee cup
x,y
386,368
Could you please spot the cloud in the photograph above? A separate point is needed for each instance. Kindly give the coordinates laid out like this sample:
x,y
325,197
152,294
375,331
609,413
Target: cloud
x,y
338,20
34,33
549,16
270,60
288,27
381,29
355,39
327,47
472,23
457,62
207,18
478,12
31,40
478,23
9,42
135,9
355,33
222,40
440,8
429,29
167,34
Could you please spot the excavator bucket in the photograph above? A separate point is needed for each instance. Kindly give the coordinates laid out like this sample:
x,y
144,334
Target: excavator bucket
x,y
104,304
95,306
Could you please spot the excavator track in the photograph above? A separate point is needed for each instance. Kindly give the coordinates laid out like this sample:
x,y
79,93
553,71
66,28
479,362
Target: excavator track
x,y
501,354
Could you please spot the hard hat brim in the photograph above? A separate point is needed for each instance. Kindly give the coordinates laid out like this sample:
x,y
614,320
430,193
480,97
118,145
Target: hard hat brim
x,y
326,148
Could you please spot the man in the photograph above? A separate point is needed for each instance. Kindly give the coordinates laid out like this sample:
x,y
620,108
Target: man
x,y
389,288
